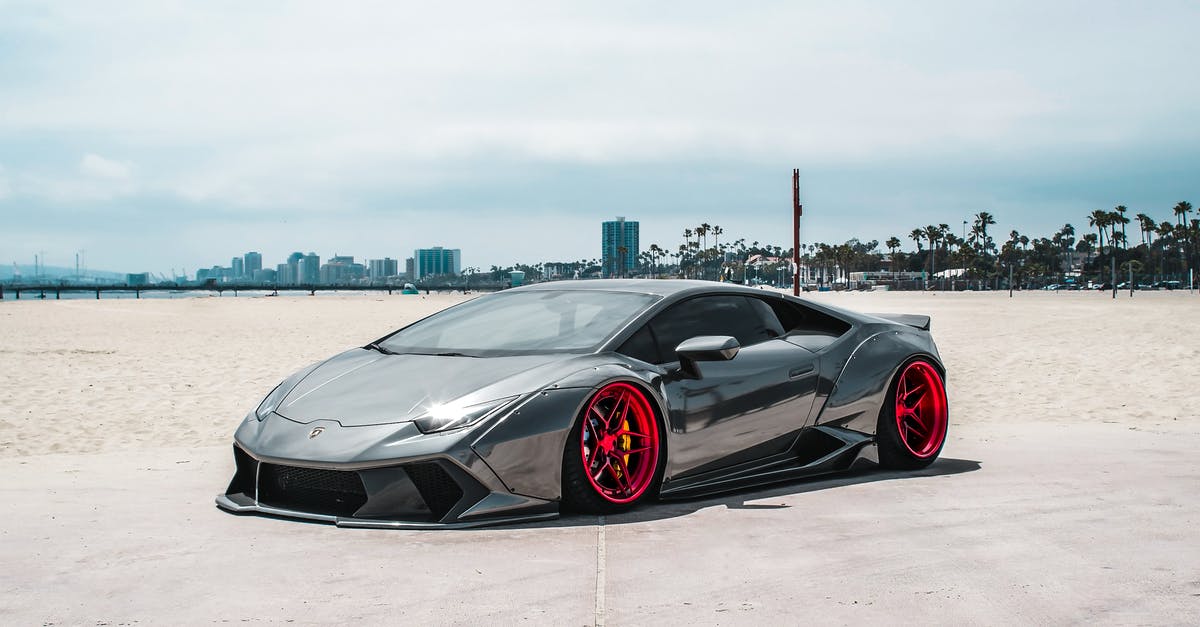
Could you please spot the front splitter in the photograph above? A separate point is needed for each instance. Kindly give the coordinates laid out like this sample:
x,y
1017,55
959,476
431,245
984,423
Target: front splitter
x,y
228,504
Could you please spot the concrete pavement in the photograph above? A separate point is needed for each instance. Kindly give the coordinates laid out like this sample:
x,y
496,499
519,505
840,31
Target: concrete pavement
x,y
1017,524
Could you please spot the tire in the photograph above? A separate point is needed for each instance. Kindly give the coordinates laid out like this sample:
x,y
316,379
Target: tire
x,y
614,454
914,417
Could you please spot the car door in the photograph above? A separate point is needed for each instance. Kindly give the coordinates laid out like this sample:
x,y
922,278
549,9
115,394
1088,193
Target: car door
x,y
747,408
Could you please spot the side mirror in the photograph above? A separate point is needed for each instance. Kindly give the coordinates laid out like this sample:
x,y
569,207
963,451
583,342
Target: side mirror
x,y
705,348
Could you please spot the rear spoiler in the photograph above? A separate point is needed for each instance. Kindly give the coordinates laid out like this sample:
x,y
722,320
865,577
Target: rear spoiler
x,y
912,320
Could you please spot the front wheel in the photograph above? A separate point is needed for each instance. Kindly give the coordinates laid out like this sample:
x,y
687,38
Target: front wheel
x,y
914,417
613,457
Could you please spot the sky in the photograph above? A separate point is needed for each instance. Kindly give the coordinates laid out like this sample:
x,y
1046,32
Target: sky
x,y
165,135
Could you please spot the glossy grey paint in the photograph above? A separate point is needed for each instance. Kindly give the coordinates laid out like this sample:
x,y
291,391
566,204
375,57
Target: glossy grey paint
x,y
741,421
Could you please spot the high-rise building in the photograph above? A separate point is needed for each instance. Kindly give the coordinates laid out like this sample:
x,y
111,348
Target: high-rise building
x,y
285,274
238,269
308,269
381,269
251,263
341,270
291,276
619,247
436,261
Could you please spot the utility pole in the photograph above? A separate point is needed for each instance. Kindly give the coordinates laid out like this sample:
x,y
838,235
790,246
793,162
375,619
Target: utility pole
x,y
1112,262
797,211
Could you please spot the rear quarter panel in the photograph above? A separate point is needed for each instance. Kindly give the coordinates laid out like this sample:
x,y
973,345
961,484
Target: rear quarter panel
x,y
860,389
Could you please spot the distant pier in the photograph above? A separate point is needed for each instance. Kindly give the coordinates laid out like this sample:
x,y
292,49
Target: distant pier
x,y
56,290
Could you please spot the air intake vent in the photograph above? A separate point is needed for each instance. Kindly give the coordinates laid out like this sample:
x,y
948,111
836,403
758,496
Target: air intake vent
x,y
333,492
439,490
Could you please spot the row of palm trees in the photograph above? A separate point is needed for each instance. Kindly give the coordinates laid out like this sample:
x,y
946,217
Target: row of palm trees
x,y
1165,250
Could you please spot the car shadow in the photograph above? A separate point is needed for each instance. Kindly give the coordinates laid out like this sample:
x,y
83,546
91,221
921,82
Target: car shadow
x,y
743,498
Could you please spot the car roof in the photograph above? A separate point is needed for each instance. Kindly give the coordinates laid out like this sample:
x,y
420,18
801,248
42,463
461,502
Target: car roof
x,y
658,287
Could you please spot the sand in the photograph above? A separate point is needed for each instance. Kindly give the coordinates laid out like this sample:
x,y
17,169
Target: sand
x,y
1068,491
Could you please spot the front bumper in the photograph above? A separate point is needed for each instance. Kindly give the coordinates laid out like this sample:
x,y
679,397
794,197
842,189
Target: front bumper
x,y
393,475
426,494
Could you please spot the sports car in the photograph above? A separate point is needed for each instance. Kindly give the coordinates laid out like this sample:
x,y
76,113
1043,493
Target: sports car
x,y
590,396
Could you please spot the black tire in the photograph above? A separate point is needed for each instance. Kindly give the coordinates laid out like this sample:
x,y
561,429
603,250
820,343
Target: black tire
x,y
913,449
582,494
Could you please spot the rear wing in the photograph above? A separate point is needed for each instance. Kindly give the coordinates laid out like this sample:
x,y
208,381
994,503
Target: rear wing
x,y
913,320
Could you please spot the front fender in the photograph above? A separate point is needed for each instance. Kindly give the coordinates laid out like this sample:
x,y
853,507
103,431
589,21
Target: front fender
x,y
525,448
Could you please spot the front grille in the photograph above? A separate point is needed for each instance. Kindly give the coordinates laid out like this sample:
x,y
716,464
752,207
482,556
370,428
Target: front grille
x,y
333,492
437,488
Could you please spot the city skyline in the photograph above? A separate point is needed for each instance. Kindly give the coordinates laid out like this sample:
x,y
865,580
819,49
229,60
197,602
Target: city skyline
x,y
126,132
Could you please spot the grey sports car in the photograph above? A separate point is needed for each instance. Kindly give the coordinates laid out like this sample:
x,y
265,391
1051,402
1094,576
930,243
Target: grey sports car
x,y
591,396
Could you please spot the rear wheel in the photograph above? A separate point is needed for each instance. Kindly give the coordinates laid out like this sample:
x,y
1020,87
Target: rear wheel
x,y
914,417
613,457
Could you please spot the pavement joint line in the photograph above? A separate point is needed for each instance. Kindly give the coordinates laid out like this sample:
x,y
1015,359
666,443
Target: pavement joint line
x,y
601,561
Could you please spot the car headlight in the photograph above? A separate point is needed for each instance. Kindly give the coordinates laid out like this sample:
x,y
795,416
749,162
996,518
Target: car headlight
x,y
451,416
272,401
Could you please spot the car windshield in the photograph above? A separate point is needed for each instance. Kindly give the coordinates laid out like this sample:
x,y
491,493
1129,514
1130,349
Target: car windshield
x,y
523,322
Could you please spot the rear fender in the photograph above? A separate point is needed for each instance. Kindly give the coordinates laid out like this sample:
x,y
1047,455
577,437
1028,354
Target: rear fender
x,y
862,386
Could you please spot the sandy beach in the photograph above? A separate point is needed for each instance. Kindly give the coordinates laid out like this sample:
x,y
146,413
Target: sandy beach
x,y
1069,489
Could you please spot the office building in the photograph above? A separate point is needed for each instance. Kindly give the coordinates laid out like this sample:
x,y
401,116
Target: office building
x,y
308,269
251,263
619,247
341,270
383,269
436,261
238,269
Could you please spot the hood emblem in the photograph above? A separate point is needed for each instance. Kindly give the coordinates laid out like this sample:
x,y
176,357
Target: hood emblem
x,y
315,432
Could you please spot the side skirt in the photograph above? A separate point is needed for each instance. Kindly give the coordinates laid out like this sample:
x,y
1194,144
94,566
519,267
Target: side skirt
x,y
819,450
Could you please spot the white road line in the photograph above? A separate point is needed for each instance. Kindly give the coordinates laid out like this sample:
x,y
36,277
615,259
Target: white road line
x,y
600,566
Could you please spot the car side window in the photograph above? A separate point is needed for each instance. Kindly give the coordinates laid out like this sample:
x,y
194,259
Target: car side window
x,y
771,326
706,315
641,346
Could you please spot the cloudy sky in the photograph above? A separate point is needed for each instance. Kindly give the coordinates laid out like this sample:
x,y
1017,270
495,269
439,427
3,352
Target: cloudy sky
x,y
157,134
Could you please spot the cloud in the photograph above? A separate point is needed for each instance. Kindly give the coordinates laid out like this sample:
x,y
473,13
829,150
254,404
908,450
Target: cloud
x,y
97,166
675,113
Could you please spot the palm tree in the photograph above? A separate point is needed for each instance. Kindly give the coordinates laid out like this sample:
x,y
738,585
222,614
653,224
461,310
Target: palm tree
x,y
1099,219
918,236
893,244
1146,225
1165,231
933,234
1181,210
983,220
1118,217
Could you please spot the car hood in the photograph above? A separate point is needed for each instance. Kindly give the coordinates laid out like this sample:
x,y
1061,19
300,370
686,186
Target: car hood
x,y
365,387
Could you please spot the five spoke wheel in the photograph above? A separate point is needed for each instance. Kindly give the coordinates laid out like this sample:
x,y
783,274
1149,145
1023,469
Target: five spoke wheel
x,y
615,460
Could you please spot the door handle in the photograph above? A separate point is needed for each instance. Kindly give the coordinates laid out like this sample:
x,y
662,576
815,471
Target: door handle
x,y
800,371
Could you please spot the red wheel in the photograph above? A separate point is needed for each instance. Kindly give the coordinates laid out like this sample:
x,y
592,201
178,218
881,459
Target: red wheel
x,y
613,456
913,421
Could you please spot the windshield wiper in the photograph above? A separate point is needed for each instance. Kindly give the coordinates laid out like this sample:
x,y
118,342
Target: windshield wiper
x,y
376,346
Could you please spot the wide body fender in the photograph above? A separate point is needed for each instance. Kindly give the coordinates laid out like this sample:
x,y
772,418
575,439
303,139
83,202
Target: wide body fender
x,y
861,388
525,448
